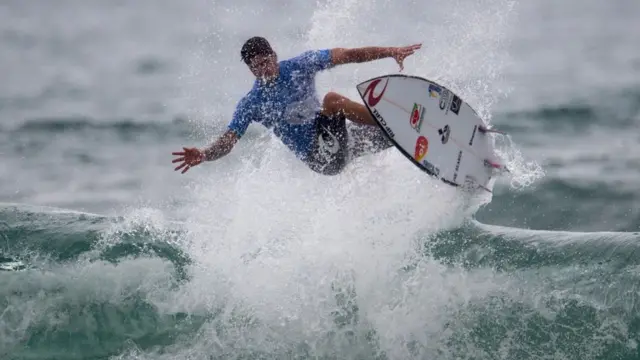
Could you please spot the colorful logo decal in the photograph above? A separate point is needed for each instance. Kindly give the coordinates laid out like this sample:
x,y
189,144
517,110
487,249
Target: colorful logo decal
x,y
373,100
417,115
422,146
434,90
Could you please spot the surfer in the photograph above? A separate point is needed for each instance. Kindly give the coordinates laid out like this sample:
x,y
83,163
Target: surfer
x,y
283,98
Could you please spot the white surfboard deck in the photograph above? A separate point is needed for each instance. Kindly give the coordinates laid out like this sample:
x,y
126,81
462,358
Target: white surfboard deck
x,y
434,128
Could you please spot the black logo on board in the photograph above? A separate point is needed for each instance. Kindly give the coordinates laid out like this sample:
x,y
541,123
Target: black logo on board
x,y
473,135
455,174
431,169
455,105
444,134
444,99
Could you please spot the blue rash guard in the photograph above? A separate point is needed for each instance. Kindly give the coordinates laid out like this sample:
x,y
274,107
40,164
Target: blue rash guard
x,y
288,105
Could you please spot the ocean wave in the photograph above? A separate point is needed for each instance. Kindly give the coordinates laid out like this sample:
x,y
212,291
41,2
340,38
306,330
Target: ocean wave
x,y
79,124
614,108
112,286
507,248
551,205
51,235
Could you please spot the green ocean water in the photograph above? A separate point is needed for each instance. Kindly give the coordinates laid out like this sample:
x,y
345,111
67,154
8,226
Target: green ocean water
x,y
107,253
545,294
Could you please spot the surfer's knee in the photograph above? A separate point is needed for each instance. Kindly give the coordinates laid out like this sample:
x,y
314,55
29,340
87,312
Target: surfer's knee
x,y
332,103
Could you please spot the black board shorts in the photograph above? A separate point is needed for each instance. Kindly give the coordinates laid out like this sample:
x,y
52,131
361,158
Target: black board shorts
x,y
335,143
329,154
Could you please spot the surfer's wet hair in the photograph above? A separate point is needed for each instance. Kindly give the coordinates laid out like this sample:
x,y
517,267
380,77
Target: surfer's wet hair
x,y
255,46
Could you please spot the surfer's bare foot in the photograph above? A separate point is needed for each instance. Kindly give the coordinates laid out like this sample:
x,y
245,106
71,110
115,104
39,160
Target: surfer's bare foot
x,y
334,104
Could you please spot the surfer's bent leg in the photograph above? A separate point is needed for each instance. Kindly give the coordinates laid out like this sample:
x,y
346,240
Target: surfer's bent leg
x,y
336,104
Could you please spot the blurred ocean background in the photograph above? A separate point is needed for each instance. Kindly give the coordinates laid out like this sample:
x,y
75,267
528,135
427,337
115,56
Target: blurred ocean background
x,y
110,254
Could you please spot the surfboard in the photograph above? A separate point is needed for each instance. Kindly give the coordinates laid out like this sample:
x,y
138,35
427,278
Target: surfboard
x,y
434,128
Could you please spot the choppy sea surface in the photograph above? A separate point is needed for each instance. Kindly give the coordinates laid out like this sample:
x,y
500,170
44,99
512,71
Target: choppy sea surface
x,y
107,253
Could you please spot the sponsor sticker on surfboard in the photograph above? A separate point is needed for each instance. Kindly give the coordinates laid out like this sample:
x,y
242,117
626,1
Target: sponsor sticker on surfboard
x,y
417,115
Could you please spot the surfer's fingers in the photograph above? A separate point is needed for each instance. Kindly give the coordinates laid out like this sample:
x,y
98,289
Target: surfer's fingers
x,y
178,160
180,166
178,153
186,169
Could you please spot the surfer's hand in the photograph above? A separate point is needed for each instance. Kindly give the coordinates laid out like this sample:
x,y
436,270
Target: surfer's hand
x,y
190,157
400,53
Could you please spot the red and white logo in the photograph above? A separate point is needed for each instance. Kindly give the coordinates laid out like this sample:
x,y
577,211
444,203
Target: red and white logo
x,y
373,100
416,117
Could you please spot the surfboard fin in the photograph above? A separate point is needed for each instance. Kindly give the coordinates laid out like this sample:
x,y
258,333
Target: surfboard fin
x,y
496,166
483,129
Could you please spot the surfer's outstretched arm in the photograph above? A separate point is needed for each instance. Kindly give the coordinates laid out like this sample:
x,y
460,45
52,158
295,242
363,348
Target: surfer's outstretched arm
x,y
364,54
191,157
220,147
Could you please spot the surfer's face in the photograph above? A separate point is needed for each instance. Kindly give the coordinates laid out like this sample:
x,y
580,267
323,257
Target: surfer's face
x,y
264,66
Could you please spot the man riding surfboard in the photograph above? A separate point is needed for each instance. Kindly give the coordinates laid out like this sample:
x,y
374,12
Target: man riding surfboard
x,y
283,98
